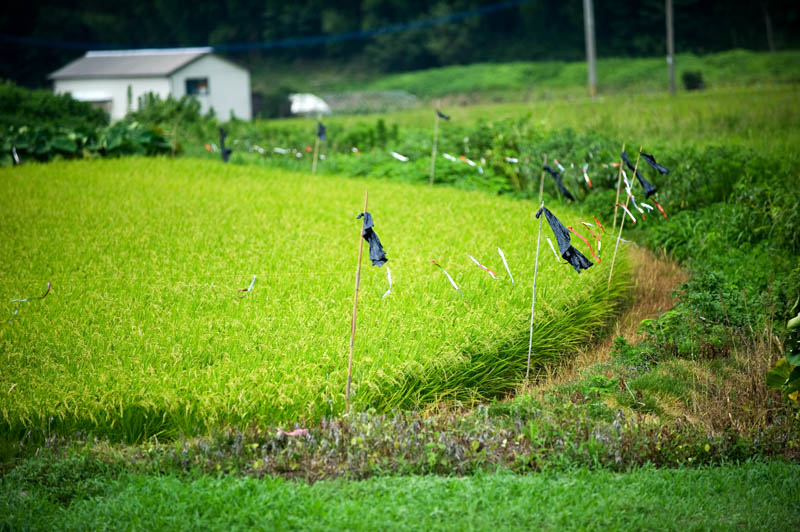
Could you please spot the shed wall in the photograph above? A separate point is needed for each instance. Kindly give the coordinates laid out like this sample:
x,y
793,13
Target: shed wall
x,y
117,88
228,86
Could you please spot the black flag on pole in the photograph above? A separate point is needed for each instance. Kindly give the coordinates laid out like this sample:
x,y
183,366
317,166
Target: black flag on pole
x,y
559,184
376,253
225,152
320,131
652,162
647,186
567,250
442,115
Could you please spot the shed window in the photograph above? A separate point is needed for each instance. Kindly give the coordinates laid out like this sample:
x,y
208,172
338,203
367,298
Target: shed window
x,y
197,86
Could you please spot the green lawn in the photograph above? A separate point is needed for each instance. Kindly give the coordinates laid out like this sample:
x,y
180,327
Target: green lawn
x,y
144,331
751,496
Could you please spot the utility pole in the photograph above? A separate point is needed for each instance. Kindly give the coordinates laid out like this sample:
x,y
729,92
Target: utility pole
x,y
670,47
591,58
768,24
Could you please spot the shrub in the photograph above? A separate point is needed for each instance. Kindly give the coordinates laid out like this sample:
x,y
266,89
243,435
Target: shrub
x,y
692,80
41,108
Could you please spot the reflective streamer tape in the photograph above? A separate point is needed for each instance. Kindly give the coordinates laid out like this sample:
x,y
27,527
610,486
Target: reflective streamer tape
x,y
282,151
245,290
599,224
585,242
14,154
558,259
627,211
449,157
586,176
559,165
646,206
452,282
469,162
399,157
296,433
20,301
502,256
588,226
481,266
633,200
512,160
627,183
660,208
389,277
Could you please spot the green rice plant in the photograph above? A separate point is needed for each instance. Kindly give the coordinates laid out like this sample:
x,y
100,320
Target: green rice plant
x,y
144,332
762,117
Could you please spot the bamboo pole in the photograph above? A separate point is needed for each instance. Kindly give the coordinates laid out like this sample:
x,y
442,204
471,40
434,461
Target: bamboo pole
x,y
619,183
541,178
533,298
435,140
355,307
622,223
316,148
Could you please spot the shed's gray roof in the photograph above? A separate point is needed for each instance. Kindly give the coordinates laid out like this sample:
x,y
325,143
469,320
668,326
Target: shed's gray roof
x,y
129,63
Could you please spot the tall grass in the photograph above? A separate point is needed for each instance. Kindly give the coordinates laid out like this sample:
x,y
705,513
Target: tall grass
x,y
766,118
144,332
512,80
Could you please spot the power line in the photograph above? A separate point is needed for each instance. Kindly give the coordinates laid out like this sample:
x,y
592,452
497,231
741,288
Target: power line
x,y
286,43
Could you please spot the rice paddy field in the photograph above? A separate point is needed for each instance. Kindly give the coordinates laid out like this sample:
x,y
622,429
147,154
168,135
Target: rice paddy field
x,y
145,331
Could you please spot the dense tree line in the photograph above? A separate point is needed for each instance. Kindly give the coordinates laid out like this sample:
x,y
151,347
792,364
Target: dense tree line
x,y
527,30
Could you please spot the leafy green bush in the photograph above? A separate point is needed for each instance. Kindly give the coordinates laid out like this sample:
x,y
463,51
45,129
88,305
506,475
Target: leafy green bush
x,y
42,126
46,143
785,374
692,80
42,109
272,103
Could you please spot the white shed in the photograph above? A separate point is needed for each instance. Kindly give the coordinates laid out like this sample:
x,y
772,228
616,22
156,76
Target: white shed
x,y
116,80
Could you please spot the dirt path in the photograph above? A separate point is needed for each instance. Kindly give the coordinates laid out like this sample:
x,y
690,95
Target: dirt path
x,y
655,278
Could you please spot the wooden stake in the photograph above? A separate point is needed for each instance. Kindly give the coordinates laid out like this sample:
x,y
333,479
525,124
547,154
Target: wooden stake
x,y
355,307
316,149
533,298
622,223
541,178
619,182
435,140
174,138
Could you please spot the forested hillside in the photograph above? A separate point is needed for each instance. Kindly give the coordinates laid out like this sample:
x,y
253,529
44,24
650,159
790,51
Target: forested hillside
x,y
383,36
